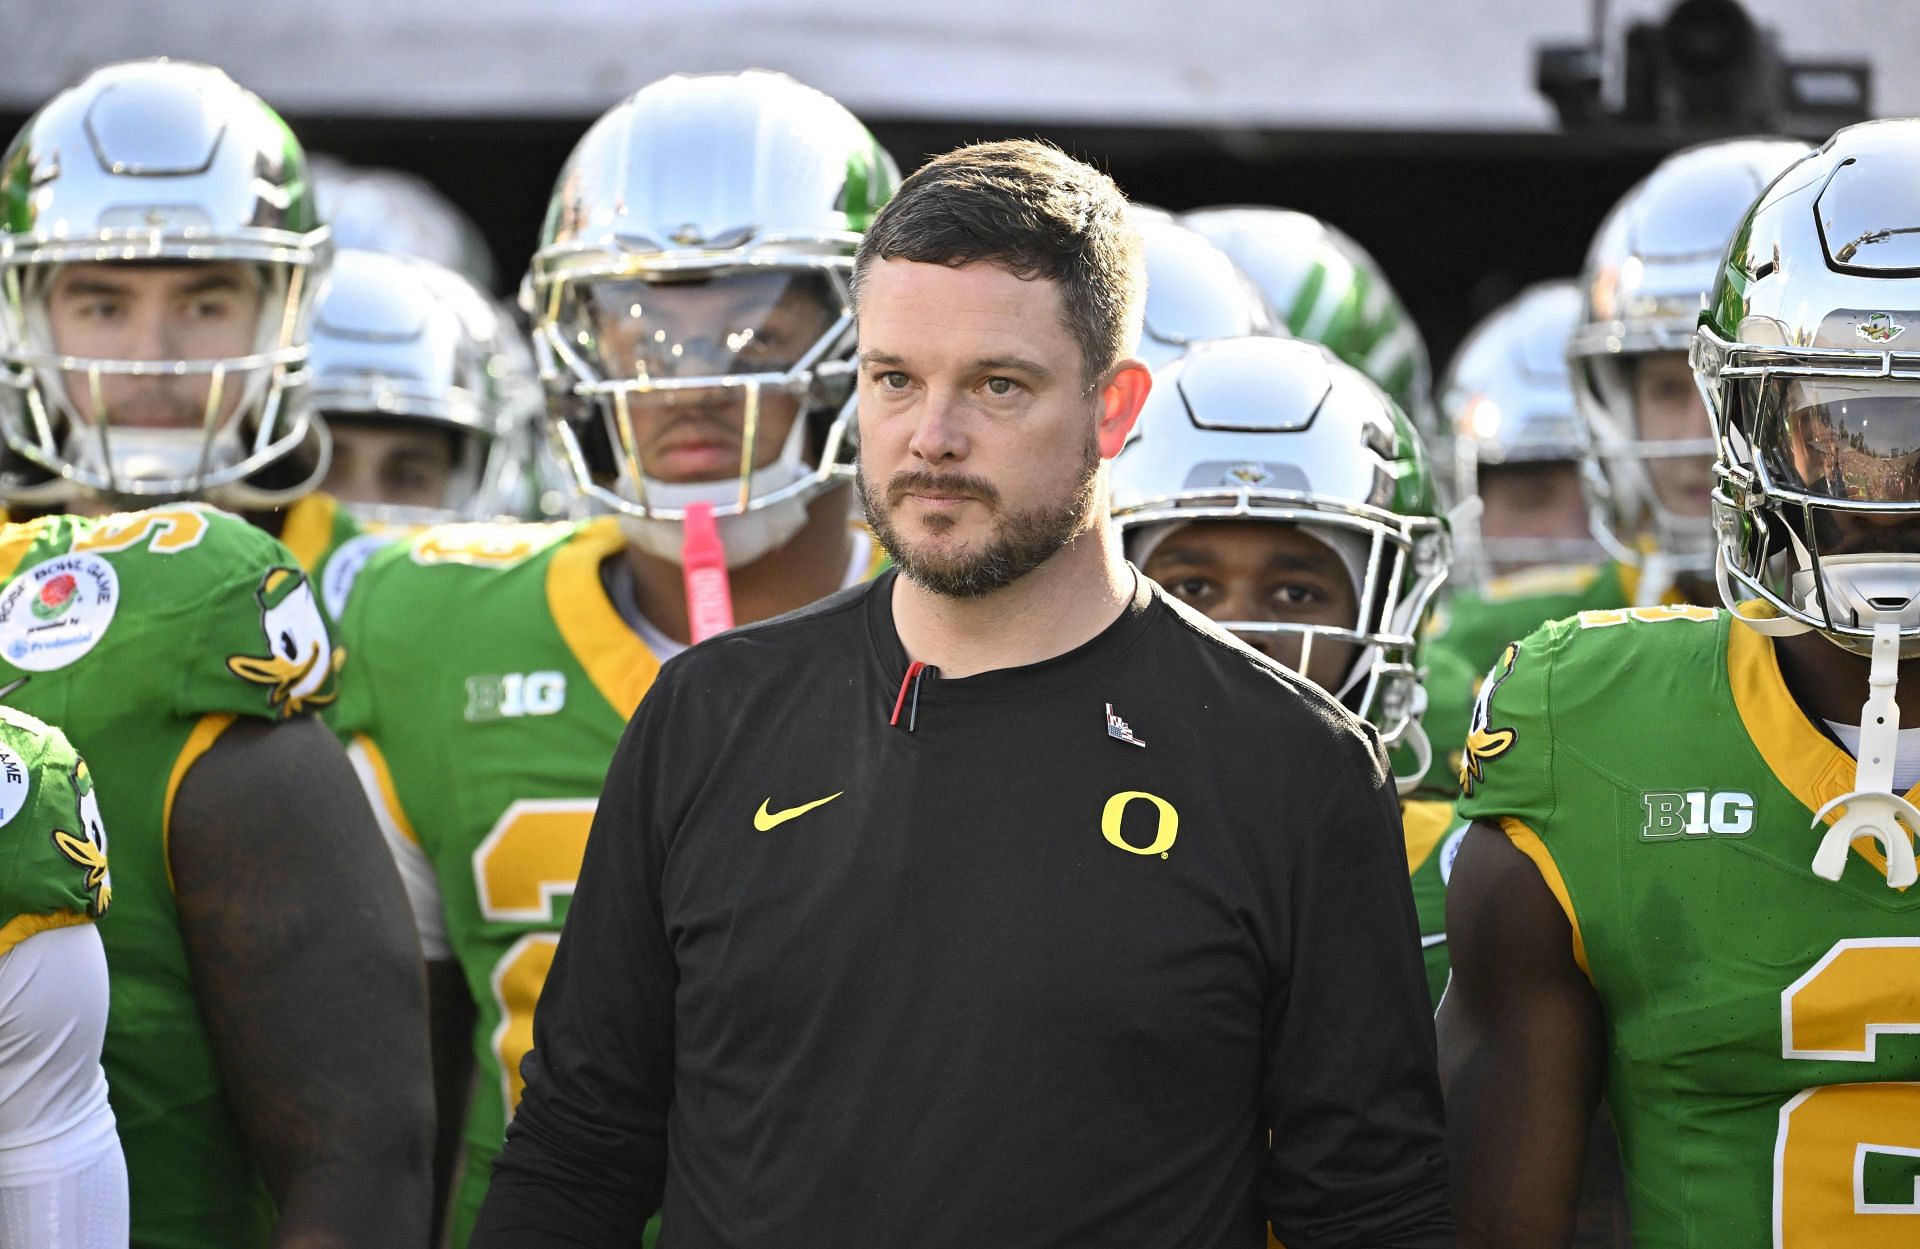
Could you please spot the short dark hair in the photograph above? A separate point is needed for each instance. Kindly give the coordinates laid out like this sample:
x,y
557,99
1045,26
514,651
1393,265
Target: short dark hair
x,y
1033,210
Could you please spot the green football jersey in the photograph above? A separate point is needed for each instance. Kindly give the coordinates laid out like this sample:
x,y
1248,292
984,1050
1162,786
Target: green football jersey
x,y
493,678
143,636
1476,625
1433,836
1763,1023
53,841
331,545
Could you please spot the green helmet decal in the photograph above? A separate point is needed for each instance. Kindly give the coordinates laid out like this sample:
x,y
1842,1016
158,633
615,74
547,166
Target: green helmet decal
x,y
871,182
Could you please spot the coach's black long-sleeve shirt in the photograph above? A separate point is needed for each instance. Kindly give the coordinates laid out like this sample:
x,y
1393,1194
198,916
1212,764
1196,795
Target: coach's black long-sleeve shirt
x,y
1003,978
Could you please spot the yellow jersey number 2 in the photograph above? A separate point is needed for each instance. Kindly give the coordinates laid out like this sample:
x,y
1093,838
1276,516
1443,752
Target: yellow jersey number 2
x,y
528,862
1831,1135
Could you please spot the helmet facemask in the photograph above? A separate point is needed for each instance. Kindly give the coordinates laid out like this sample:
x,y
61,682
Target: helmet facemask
x,y
232,428
1397,563
634,350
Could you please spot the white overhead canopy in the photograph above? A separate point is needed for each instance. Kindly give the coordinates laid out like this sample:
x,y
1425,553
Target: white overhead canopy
x,y
1286,64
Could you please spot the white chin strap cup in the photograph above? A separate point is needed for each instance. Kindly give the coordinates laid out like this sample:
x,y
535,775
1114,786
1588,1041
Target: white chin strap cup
x,y
1873,809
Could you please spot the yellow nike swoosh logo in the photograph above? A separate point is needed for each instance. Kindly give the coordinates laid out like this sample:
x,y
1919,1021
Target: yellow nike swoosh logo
x,y
762,820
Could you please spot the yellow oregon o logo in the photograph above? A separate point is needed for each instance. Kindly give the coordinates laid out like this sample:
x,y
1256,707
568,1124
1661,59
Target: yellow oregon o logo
x,y
1163,836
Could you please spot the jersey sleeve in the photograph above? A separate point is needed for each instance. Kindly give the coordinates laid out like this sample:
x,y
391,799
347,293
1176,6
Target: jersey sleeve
x,y
1507,754
261,645
53,844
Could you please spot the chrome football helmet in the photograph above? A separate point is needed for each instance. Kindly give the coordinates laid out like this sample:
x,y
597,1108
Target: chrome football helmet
x,y
404,341
388,210
1273,429
1646,276
1508,399
1814,393
158,166
1329,289
1194,292
696,254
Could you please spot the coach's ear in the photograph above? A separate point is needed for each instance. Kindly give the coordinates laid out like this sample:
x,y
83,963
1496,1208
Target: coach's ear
x,y
1121,399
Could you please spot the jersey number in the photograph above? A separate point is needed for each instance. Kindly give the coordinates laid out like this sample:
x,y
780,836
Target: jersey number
x,y
1844,1159
526,864
170,530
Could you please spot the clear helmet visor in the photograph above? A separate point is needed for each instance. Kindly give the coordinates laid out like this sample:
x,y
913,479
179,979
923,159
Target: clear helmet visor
x,y
687,326
1843,440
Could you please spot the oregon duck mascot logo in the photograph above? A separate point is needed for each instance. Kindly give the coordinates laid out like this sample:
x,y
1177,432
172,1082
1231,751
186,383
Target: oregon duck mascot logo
x,y
1484,742
301,661
88,850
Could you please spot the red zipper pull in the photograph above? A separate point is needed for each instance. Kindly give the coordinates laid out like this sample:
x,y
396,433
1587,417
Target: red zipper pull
x,y
913,670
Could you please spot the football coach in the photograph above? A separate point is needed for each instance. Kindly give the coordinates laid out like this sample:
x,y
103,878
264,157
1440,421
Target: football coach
x,y
1001,901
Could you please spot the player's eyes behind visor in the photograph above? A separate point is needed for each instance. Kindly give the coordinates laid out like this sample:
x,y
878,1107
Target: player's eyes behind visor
x,y
1845,440
736,322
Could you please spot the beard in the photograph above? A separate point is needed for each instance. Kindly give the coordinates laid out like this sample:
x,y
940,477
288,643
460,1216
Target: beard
x,y
1018,542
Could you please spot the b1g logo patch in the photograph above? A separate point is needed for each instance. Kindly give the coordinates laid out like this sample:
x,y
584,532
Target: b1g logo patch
x,y
1674,814
54,613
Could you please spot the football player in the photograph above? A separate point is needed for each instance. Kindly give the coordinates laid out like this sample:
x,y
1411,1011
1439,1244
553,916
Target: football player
x,y
692,314
1689,880
1281,493
266,1044
415,374
63,1181
1517,443
1648,457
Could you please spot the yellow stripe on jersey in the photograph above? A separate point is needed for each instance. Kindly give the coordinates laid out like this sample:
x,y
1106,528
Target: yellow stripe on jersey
x,y
618,662
20,927
1528,842
199,742
1806,761
383,777
308,529
1425,823
15,544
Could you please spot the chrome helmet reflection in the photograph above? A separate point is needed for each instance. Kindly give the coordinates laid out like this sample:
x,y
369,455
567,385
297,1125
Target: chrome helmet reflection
x,y
390,210
402,341
1271,429
1644,282
1194,292
158,172
1814,391
1508,400
694,266
1330,290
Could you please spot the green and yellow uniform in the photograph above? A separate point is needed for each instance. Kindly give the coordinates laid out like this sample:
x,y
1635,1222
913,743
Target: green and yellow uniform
x,y
1475,625
493,678
53,841
1763,1025
1433,835
143,636
331,545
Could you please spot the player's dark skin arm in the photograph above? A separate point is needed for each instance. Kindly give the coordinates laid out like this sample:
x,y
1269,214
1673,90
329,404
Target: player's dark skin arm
x,y
1522,1050
308,973
450,1015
